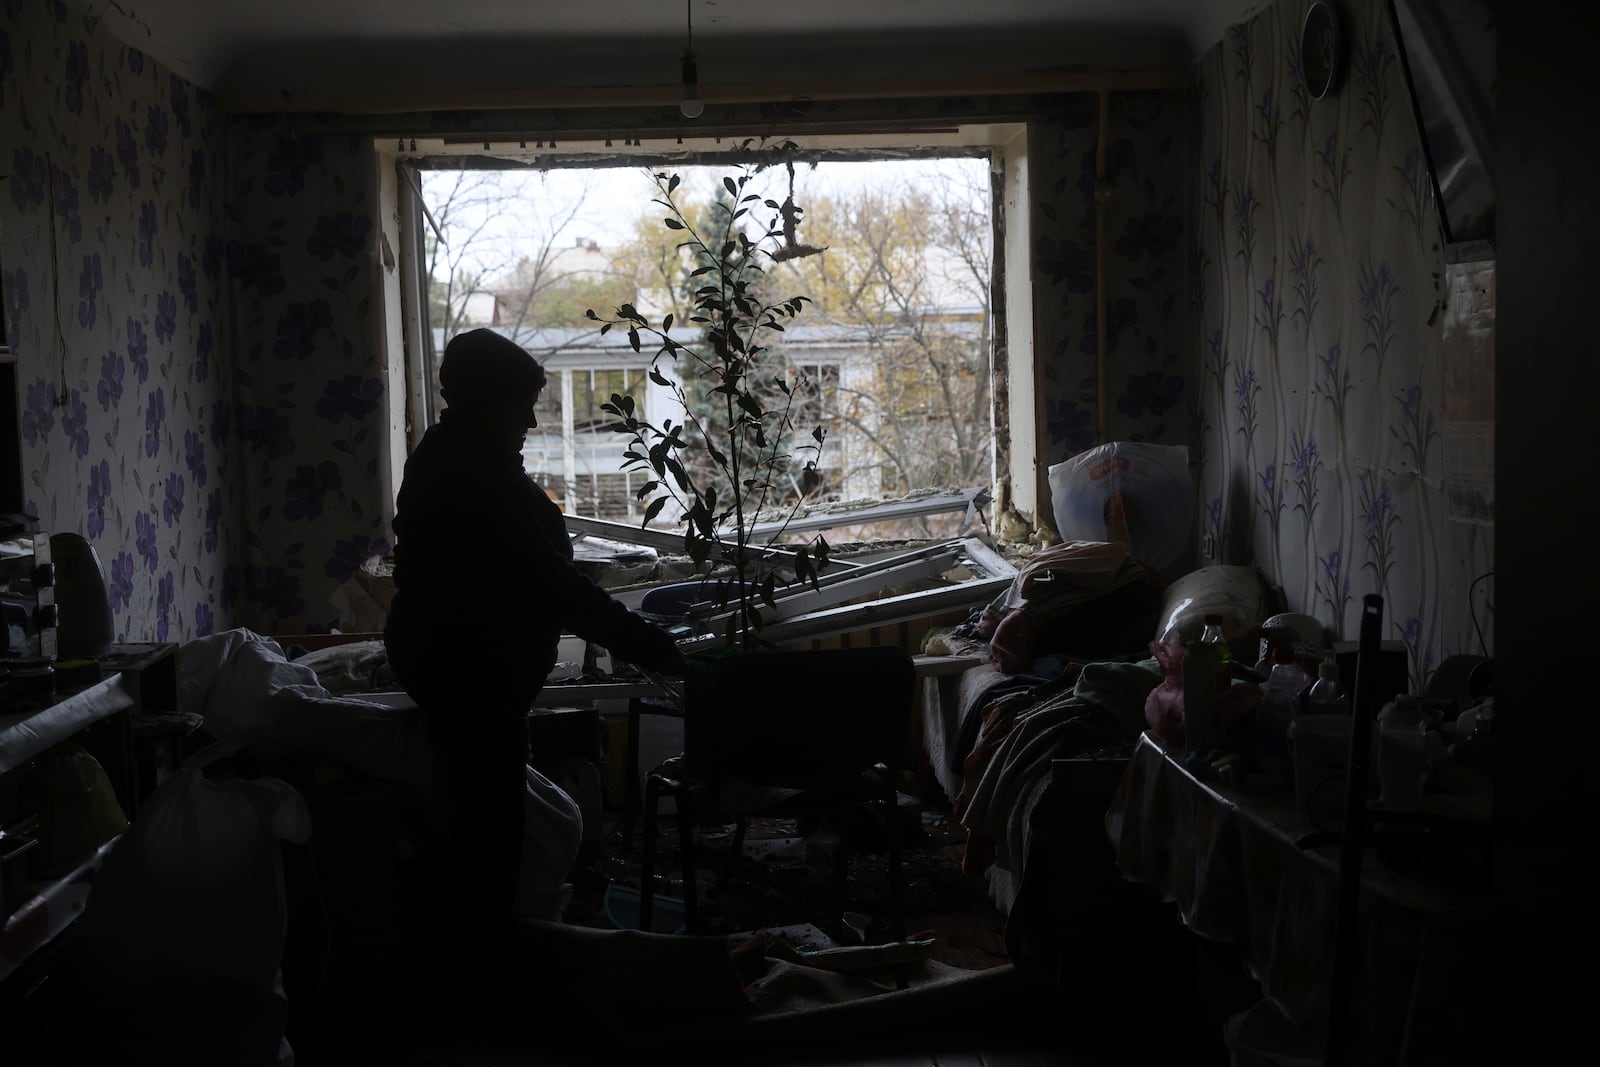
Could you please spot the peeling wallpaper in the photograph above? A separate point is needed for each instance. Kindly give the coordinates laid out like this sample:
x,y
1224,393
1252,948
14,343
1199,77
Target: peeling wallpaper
x,y
1317,266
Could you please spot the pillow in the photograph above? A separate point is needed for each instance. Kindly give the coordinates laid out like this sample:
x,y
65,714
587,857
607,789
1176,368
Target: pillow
x,y
1236,593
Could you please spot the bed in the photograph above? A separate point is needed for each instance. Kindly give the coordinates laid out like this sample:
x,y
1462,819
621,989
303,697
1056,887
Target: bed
x,y
1029,762
1030,741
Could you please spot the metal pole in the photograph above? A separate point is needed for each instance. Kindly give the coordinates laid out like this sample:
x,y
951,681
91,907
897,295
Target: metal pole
x,y
1102,196
1346,935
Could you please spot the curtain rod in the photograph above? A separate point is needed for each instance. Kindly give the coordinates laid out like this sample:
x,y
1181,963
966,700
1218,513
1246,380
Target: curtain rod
x,y
410,102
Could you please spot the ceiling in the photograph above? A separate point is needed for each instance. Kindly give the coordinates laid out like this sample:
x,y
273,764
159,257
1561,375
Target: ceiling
x,y
317,53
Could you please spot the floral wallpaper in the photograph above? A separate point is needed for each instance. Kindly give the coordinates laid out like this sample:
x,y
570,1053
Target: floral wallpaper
x,y
112,265
214,412
190,298
310,418
1146,344
1147,182
1317,270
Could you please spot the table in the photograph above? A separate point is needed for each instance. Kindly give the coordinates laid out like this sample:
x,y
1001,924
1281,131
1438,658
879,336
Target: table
x,y
1251,870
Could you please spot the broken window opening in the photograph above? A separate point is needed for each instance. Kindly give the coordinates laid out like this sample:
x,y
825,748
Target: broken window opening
x,y
866,379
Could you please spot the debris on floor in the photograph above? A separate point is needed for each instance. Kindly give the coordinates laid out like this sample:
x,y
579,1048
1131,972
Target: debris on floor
x,y
774,885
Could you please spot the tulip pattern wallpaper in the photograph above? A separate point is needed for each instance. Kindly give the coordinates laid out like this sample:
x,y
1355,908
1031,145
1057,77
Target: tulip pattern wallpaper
x,y
1327,330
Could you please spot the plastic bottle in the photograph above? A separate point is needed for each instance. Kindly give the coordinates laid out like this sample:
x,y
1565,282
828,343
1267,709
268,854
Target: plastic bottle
x,y
1402,751
1201,730
1212,635
1326,696
1280,703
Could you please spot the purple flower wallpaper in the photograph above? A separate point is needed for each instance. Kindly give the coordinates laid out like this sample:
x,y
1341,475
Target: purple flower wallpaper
x,y
212,413
1318,385
99,144
195,306
310,412
1145,311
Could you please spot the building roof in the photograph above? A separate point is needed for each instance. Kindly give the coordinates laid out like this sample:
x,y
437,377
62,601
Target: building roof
x,y
565,341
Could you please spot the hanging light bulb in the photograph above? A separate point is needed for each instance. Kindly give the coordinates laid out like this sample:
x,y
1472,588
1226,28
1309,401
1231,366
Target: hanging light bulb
x,y
690,104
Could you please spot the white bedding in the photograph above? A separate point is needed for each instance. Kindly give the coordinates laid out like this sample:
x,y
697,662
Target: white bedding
x,y
944,700
249,694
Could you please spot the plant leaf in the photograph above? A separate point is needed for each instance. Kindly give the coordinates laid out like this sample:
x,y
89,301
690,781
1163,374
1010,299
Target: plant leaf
x,y
654,509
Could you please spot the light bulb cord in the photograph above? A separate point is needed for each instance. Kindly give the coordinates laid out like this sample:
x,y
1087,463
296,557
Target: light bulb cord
x,y
689,104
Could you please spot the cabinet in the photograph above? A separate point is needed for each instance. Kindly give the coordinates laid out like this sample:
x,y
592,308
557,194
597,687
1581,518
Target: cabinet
x,y
51,906
124,718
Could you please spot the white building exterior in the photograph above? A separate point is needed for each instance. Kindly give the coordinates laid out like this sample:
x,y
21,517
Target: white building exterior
x,y
578,461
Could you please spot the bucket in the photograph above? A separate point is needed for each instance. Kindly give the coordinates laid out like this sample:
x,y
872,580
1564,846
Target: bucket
x,y
621,907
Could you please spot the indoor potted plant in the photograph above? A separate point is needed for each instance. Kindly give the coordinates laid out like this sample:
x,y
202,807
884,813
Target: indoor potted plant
x,y
729,461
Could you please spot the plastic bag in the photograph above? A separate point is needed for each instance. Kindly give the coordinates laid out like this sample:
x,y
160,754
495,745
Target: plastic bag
x,y
189,909
78,808
553,832
193,892
1133,494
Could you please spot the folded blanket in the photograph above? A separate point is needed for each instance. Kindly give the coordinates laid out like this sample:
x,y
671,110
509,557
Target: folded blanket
x,y
1006,777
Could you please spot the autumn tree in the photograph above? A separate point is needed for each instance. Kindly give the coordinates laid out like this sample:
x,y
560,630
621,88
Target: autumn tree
x,y
903,271
906,270
482,236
